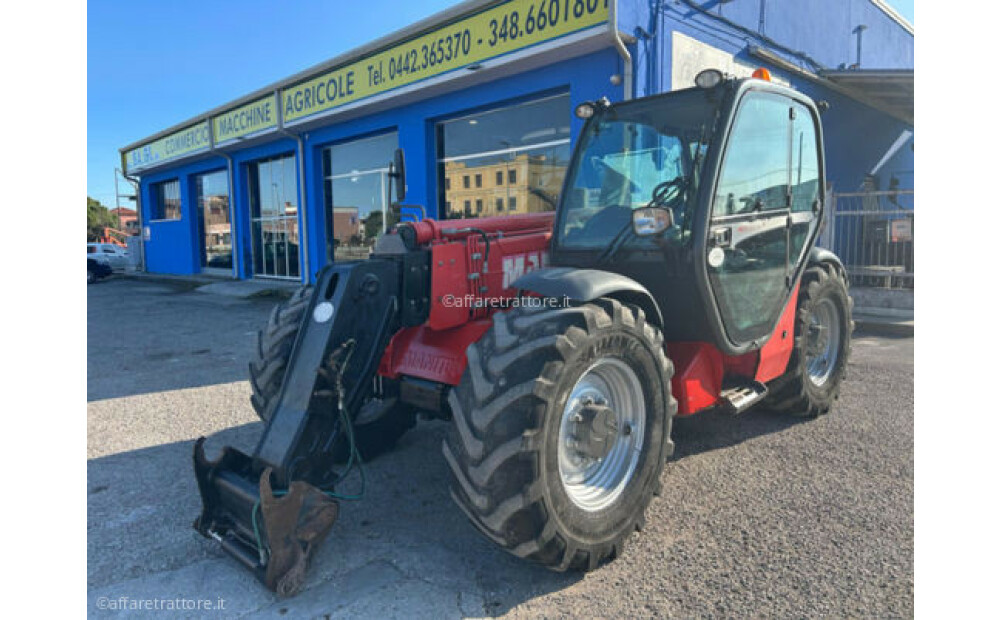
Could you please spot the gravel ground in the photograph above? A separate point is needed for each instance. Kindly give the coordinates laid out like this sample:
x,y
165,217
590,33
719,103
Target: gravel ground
x,y
761,515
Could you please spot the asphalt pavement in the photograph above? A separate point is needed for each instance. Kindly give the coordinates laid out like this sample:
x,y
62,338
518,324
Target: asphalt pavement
x,y
761,515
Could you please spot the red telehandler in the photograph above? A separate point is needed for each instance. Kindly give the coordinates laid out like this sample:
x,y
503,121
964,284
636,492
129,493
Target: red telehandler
x,y
678,273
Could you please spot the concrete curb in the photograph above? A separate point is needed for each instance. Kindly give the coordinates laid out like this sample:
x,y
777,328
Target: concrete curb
x,y
881,324
224,286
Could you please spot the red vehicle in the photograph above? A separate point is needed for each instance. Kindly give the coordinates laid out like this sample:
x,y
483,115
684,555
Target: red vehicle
x,y
679,273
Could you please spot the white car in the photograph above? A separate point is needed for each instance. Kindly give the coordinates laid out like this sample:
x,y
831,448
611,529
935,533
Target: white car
x,y
112,255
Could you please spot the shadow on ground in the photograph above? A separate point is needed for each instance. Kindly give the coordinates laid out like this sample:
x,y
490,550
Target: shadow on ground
x,y
716,429
404,550
145,337
405,544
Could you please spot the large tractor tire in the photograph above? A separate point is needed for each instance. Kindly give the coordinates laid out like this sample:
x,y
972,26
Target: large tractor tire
x,y
267,370
561,426
823,328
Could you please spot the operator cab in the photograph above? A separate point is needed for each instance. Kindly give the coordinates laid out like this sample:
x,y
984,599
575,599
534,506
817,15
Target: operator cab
x,y
706,196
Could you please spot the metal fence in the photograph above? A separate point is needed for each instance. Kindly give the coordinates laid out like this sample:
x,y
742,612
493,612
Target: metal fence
x,y
872,233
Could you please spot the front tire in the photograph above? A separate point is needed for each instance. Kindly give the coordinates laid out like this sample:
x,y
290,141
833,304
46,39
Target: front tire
x,y
823,328
507,448
267,371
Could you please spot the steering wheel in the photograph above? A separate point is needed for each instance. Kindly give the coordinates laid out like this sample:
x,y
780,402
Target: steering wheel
x,y
668,192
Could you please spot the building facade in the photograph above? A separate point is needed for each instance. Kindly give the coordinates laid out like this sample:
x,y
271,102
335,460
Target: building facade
x,y
480,98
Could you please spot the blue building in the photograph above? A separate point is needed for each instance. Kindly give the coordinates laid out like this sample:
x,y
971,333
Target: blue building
x,y
480,98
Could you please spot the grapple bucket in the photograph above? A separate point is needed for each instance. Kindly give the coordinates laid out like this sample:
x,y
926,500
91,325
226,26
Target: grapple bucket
x,y
272,534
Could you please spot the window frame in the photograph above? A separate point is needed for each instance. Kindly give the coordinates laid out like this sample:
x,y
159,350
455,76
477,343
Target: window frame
x,y
157,202
562,137
727,152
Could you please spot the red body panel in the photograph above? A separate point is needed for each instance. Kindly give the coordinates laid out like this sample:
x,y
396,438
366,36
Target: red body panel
x,y
699,367
464,293
698,370
775,353
428,354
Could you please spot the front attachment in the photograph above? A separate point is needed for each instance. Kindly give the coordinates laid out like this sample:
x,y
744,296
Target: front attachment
x,y
272,510
295,526
274,534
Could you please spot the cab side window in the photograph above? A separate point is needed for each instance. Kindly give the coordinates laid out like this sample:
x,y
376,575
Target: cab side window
x,y
805,160
755,174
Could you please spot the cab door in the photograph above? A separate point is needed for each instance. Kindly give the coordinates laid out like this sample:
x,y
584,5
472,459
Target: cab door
x,y
752,254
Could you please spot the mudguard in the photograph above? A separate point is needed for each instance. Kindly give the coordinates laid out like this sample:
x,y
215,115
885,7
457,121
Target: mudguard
x,y
585,285
819,255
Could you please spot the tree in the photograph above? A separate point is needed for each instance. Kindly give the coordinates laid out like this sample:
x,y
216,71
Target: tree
x,y
373,224
98,217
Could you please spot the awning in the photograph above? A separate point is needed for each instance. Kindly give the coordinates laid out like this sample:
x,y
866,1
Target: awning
x,y
889,90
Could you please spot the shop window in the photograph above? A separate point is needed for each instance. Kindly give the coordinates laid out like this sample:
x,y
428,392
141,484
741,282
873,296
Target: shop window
x,y
167,200
529,143
212,190
357,194
274,217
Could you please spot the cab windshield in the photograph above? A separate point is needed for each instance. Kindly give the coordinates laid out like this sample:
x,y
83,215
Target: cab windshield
x,y
635,154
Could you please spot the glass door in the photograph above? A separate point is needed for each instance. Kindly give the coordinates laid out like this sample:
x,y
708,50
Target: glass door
x,y
748,249
215,229
357,195
274,218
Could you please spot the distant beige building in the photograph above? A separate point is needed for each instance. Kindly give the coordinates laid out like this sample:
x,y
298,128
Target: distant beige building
x,y
346,224
527,184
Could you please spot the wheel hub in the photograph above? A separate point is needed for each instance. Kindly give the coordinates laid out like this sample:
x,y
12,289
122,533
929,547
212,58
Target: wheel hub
x,y
822,341
594,429
601,434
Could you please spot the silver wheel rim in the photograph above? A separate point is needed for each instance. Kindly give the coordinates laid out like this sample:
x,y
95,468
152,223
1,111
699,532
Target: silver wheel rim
x,y
822,341
591,482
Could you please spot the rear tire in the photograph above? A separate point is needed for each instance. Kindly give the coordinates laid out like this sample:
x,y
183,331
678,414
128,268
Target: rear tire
x,y
267,371
823,328
509,418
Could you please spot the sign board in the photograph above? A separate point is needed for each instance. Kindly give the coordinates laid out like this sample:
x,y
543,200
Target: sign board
x,y
901,230
254,117
503,29
189,140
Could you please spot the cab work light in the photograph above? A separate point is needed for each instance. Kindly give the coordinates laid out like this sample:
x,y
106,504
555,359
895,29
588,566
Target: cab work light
x,y
709,78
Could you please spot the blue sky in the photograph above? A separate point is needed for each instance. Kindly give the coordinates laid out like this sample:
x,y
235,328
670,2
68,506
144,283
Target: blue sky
x,y
905,8
153,64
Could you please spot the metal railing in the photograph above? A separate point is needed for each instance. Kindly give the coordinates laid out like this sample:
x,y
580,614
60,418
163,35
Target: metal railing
x,y
872,233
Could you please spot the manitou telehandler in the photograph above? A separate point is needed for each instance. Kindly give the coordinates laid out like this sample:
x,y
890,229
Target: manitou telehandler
x,y
678,273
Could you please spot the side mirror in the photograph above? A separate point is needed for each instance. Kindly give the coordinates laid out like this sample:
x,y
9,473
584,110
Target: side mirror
x,y
397,171
649,221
